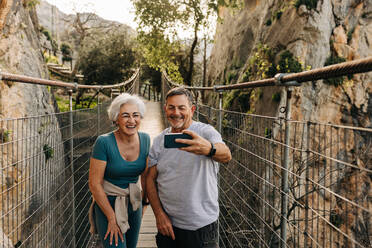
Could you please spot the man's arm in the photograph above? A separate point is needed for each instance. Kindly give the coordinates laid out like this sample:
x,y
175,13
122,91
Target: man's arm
x,y
163,222
223,154
201,146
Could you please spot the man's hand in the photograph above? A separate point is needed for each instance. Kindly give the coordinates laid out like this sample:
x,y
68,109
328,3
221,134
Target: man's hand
x,y
198,145
164,225
201,146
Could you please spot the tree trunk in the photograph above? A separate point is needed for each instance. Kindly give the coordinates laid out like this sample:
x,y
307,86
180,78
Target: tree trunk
x,y
204,67
79,95
92,98
191,64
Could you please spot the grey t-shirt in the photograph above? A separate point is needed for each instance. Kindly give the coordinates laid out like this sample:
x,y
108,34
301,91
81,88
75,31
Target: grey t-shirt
x,y
187,183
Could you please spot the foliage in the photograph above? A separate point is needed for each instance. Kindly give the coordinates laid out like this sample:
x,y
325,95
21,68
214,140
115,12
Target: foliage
x,y
335,218
107,60
350,35
50,58
48,152
310,4
63,104
54,45
278,14
232,4
151,75
160,53
288,63
260,64
46,33
66,52
276,97
30,4
160,22
331,60
4,135
231,76
237,99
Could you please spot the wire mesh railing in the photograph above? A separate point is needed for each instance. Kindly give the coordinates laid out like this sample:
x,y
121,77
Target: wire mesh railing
x,y
40,192
44,197
328,199
291,183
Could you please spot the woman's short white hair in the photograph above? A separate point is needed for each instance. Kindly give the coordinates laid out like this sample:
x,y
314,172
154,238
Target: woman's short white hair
x,y
114,109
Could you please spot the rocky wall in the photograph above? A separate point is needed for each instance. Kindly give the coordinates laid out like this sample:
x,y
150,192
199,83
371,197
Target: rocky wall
x,y
25,190
341,29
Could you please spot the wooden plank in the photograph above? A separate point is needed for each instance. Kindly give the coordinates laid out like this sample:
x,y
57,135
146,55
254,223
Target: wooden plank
x,y
152,123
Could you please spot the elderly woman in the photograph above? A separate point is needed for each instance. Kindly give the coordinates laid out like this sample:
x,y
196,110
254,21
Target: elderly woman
x,y
118,158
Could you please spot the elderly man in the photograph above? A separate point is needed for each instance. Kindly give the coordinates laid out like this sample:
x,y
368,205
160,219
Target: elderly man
x,y
182,182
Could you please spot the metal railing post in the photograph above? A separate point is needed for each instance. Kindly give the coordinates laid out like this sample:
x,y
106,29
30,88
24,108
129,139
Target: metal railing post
x,y
149,93
285,191
219,126
137,83
306,162
98,114
197,106
72,168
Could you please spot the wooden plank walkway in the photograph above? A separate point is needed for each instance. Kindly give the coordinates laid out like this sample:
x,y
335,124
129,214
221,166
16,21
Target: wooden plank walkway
x,y
152,124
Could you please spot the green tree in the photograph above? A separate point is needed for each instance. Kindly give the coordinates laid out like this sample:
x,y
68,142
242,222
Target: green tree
x,y
107,59
66,53
160,22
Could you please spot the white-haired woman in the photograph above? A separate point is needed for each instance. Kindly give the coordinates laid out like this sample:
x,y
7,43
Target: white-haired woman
x,y
117,161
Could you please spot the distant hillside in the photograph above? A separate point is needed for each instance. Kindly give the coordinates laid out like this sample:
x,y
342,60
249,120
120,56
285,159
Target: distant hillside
x,y
60,25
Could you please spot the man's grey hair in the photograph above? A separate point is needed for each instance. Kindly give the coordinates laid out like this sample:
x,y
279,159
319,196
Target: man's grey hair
x,y
181,91
114,109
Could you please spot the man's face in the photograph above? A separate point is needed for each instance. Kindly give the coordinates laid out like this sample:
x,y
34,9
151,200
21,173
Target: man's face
x,y
179,112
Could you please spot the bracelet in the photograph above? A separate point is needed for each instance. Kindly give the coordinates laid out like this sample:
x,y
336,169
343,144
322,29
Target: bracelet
x,y
145,203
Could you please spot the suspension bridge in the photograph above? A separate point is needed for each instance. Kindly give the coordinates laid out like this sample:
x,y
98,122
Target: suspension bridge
x,y
291,183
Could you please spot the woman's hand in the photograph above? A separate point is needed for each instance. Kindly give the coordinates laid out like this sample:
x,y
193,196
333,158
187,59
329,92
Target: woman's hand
x,y
114,231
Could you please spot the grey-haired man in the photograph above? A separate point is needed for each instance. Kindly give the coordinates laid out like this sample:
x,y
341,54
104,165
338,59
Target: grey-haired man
x,y
182,182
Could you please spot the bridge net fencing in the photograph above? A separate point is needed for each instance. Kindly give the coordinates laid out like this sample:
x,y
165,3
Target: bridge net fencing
x,y
44,197
329,174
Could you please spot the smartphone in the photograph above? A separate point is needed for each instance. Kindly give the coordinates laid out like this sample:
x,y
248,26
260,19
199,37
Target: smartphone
x,y
169,140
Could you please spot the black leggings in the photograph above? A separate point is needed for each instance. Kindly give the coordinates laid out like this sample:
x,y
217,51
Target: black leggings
x,y
205,237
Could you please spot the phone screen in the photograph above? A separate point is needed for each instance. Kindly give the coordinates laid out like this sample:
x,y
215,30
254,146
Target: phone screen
x,y
169,140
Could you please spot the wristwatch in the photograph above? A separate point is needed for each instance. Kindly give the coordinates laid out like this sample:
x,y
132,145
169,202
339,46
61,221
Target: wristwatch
x,y
212,152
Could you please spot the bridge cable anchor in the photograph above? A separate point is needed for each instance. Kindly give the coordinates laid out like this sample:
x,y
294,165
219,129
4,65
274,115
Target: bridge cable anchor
x,y
215,89
278,80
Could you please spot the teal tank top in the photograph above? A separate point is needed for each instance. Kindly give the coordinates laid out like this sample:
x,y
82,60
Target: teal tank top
x,y
119,171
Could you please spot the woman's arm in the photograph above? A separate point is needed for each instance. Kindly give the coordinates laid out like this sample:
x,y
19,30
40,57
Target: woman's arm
x,y
96,173
143,185
143,181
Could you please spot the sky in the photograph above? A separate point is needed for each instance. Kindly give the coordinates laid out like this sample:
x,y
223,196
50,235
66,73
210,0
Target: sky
x,y
115,10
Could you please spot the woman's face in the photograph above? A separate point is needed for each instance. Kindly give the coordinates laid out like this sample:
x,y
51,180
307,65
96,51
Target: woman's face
x,y
129,119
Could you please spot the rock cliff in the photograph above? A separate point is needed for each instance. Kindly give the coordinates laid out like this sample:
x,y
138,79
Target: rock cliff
x,y
334,28
21,155
267,37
